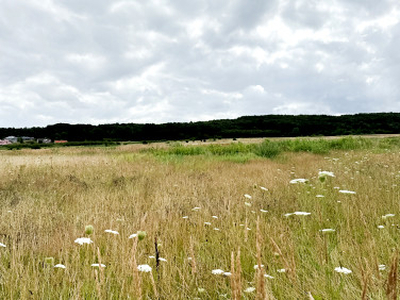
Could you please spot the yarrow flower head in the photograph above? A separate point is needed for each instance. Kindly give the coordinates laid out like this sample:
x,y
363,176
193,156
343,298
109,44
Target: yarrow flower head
x,y
144,268
250,289
298,213
217,272
343,270
83,240
111,231
298,180
347,192
322,175
60,266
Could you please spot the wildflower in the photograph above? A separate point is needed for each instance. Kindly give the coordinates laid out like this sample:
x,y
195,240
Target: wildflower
x,y
281,270
250,289
201,290
152,256
247,196
342,270
325,173
2,245
328,230
263,188
247,204
347,192
381,226
216,229
256,267
99,265
298,213
207,223
61,266
322,175
227,274
196,208
215,217
268,276
185,217
111,231
89,229
263,210
162,259
320,196
387,216
298,180
144,268
381,267
217,272
83,240
133,235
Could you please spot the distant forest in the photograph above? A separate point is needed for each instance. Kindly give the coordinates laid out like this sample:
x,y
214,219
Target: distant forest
x,y
247,126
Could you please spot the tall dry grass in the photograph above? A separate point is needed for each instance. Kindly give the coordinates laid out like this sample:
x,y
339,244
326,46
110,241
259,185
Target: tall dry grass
x,y
47,198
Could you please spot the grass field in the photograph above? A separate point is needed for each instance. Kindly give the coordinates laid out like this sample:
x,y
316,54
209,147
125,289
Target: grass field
x,y
221,221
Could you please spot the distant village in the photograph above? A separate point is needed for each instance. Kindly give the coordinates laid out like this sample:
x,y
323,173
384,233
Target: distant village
x,y
27,139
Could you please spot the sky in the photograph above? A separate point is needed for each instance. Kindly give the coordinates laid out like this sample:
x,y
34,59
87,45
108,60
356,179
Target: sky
x,y
157,61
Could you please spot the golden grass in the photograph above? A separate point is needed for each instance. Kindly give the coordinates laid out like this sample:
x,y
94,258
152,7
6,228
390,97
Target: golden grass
x,y
48,196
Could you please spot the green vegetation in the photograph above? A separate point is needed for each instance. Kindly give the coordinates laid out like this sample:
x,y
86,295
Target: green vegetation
x,y
271,148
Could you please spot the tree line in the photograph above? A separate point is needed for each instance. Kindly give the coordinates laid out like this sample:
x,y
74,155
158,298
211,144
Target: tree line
x,y
246,126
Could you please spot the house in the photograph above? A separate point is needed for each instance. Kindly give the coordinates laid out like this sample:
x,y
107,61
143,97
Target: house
x,y
12,139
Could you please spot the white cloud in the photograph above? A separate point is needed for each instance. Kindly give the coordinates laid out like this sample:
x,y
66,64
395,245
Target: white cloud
x,y
174,60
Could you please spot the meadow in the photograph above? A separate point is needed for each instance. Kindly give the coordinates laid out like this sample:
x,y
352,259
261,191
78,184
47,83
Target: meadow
x,y
279,219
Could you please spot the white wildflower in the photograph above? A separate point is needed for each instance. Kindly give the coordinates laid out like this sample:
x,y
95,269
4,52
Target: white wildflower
x,y
247,196
347,192
144,268
320,196
2,245
268,276
281,270
133,235
256,267
215,217
298,180
263,210
381,267
326,174
196,208
328,230
343,270
250,289
83,240
99,265
388,216
247,204
227,274
263,188
298,213
216,228
218,272
162,259
185,217
381,226
61,266
111,231
207,223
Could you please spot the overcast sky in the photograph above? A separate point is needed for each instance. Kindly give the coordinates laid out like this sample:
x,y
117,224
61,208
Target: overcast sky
x,y
156,61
